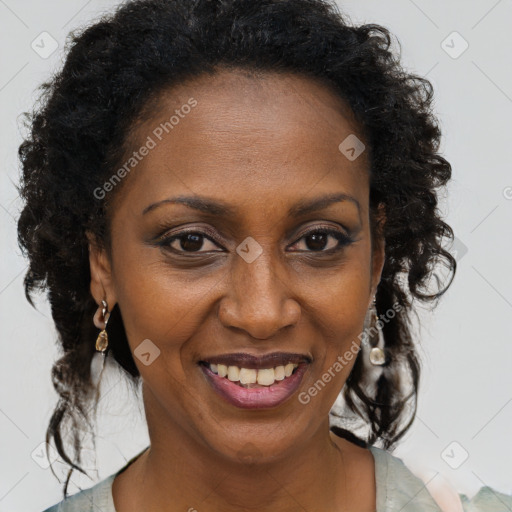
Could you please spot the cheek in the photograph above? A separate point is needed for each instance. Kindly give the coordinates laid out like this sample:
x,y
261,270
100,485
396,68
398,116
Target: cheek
x,y
162,305
338,307
338,323
341,297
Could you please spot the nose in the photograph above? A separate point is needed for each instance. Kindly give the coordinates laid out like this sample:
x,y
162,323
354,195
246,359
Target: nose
x,y
259,301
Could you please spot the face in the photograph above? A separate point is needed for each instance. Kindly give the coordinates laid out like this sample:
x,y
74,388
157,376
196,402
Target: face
x,y
274,255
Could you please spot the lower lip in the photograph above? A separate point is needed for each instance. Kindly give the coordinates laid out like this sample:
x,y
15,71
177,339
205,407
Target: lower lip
x,y
256,398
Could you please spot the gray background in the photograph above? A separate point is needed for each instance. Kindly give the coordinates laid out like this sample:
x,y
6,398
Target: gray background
x,y
466,388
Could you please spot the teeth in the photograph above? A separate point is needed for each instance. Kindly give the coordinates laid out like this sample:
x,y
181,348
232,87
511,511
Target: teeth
x,y
279,373
266,377
233,373
288,369
248,376
263,377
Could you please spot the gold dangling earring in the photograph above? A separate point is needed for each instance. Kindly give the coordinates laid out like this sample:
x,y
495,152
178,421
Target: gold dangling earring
x,y
98,359
102,339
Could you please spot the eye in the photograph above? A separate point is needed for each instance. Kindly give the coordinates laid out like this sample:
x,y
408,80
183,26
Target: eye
x,y
317,240
320,239
188,241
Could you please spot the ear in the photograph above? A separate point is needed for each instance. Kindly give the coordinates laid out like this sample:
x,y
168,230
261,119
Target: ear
x,y
102,286
378,250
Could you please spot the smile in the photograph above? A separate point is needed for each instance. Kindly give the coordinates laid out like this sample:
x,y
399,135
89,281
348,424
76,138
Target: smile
x,y
253,388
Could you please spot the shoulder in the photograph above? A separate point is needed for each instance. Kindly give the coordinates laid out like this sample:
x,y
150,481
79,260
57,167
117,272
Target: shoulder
x,y
399,489
95,499
488,500
98,497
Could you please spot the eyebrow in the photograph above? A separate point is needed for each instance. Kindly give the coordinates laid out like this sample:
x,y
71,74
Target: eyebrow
x,y
319,203
220,208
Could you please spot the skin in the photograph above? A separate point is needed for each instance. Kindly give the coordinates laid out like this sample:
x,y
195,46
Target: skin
x,y
262,145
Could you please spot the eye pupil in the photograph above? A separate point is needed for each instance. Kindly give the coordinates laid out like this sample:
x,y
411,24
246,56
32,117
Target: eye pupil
x,y
319,241
191,242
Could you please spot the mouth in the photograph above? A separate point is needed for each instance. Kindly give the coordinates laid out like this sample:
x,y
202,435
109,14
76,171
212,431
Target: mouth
x,y
252,382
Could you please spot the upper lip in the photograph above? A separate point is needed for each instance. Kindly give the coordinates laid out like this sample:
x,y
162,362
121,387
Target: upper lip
x,y
245,360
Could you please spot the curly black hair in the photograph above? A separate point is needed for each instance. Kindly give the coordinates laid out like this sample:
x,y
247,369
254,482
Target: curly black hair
x,y
115,70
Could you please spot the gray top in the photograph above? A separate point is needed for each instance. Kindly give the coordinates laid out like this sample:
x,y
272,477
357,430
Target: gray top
x,y
397,490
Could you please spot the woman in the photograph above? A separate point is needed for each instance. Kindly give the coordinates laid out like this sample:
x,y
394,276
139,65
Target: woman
x,y
224,198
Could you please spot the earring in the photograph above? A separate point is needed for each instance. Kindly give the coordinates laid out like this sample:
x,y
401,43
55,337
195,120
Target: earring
x,y
98,359
377,355
102,339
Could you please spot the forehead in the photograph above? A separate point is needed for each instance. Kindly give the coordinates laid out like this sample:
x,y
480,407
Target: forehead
x,y
236,103
237,136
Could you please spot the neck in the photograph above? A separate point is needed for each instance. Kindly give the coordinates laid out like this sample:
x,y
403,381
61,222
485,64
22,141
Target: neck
x,y
310,477
180,472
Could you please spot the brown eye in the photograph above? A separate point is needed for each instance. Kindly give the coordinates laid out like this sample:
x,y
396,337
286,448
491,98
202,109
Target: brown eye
x,y
325,240
188,241
317,241
191,242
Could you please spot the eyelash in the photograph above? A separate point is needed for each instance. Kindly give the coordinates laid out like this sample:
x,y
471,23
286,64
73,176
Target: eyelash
x,y
343,240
